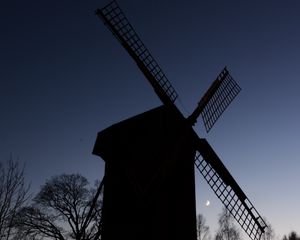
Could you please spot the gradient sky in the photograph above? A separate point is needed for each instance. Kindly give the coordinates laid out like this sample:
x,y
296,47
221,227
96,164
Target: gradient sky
x,y
63,78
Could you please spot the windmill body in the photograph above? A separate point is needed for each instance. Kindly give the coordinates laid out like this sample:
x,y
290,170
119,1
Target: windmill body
x,y
149,189
149,177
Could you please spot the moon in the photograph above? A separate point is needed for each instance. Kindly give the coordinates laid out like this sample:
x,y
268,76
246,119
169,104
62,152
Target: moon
x,y
207,203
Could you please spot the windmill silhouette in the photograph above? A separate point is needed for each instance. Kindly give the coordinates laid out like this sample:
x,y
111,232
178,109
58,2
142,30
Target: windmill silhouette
x,y
149,189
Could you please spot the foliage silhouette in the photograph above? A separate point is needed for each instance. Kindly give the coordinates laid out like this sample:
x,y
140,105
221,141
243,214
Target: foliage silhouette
x,y
13,195
227,229
269,233
202,228
292,236
65,208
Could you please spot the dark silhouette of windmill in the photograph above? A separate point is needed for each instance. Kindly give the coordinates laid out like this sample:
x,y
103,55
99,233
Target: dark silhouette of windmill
x,y
149,189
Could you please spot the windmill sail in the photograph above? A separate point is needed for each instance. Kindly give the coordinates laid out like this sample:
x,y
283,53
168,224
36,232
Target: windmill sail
x,y
116,21
217,98
228,191
227,90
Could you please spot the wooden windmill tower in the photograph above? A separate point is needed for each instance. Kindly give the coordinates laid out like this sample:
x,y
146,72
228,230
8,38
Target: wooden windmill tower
x,y
149,189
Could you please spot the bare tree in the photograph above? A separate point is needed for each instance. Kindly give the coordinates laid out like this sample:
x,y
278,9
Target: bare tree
x,y
202,228
13,195
269,233
292,236
227,229
65,208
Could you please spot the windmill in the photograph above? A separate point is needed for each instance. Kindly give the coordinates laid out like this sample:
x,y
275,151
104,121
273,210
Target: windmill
x,y
149,159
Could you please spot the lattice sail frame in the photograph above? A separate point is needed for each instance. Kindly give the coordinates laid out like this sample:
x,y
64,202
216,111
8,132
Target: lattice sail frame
x,y
228,191
118,24
228,89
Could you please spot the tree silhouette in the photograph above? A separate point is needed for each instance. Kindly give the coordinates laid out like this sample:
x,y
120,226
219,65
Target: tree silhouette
x,y
292,236
64,208
269,233
202,228
227,230
13,195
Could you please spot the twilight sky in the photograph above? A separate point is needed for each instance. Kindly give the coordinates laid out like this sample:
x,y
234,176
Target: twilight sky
x,y
63,78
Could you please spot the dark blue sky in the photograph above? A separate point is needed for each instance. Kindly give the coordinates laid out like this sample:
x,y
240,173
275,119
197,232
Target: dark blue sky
x,y
64,78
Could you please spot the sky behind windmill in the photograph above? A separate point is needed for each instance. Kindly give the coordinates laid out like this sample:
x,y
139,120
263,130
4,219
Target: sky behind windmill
x,y
64,77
